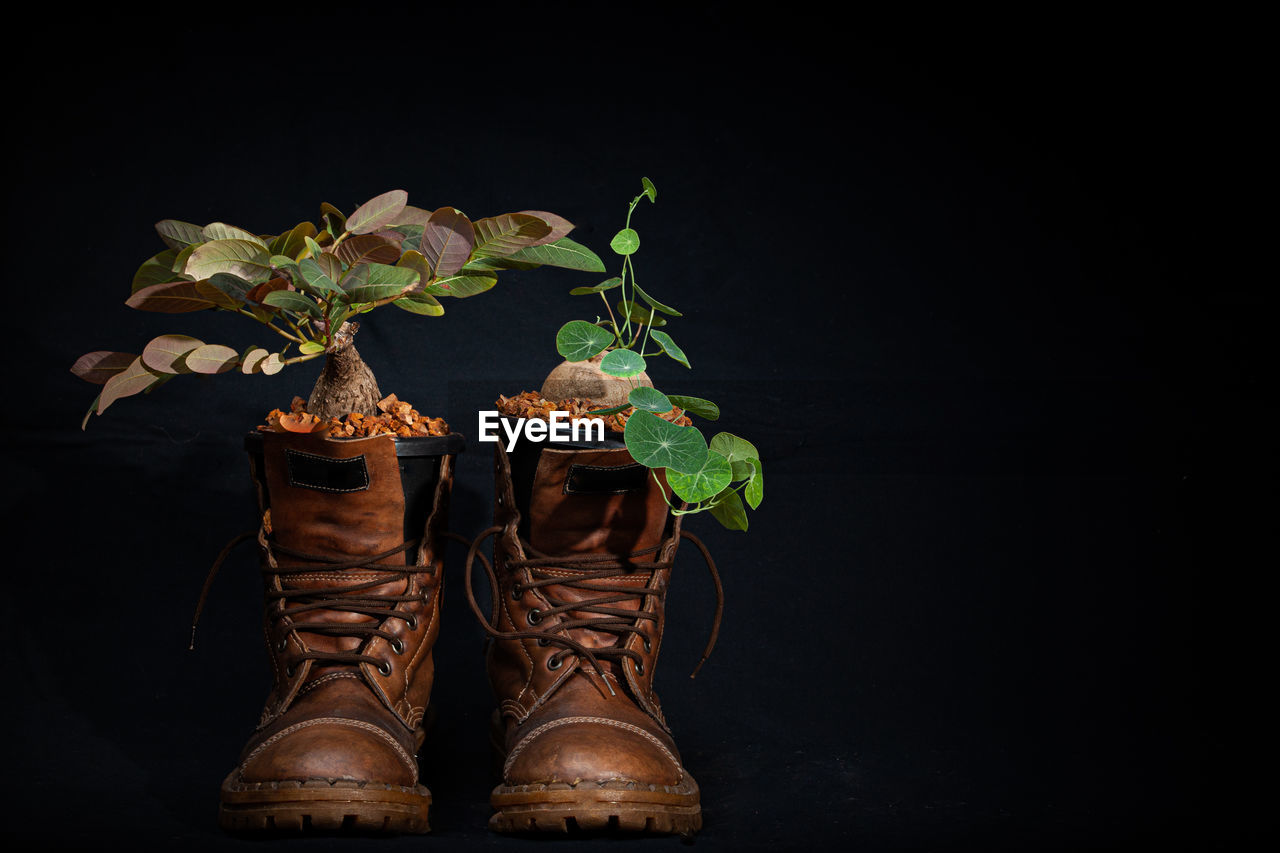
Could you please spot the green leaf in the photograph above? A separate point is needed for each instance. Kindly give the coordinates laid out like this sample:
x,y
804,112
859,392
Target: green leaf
x,y
665,309
563,253
179,235
383,281
622,363
248,260
314,278
292,242
376,212
212,358
134,379
157,270
487,264
560,227
164,354
176,297
292,300
579,340
314,249
223,231
420,303
625,242
608,284
733,448
707,482
310,348
754,492
650,190
462,286
216,295
696,406
447,240
670,348
610,411
650,400
658,443
234,287
498,236
272,364
728,510
100,365
639,314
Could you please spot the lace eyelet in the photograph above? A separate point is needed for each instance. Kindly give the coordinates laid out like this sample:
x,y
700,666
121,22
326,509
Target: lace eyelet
x,y
648,647
640,668
289,671
412,622
554,662
516,593
534,617
385,669
283,645
543,641
397,646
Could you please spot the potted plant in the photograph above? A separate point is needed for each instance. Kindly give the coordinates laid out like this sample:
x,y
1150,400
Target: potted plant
x,y
587,533
352,485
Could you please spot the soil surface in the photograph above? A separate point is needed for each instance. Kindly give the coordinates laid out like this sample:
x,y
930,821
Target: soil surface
x,y
529,404
396,417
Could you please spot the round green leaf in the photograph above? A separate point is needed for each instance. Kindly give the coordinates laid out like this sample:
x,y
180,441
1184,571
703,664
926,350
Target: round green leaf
x,y
599,288
308,348
579,340
661,444
670,348
649,189
733,448
622,363
696,406
708,481
272,364
728,510
625,242
754,492
292,300
650,400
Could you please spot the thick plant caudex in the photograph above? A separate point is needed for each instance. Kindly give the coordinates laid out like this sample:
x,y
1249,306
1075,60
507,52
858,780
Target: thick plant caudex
x,y
308,283
713,476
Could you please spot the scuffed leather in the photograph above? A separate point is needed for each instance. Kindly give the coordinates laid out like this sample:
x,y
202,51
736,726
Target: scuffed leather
x,y
347,721
561,725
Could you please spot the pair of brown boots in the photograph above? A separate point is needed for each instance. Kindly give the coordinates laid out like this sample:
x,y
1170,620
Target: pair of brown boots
x,y
351,545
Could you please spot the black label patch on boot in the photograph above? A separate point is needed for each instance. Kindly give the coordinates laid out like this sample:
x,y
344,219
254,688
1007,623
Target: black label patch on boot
x,y
605,480
309,471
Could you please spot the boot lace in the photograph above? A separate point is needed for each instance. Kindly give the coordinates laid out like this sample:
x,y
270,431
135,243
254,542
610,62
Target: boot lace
x,y
347,599
595,572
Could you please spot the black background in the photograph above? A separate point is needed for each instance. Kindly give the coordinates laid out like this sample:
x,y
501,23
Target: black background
x,y
935,269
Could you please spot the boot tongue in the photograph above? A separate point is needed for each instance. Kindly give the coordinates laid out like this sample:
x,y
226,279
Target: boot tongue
x,y
339,499
595,502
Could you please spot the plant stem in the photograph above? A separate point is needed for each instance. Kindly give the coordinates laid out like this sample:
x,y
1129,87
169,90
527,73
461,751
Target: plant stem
x,y
273,327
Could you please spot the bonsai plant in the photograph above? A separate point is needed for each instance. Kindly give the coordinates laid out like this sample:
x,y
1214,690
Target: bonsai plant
x,y
307,285
606,361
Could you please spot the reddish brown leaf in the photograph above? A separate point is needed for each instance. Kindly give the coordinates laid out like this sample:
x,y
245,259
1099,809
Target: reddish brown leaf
x,y
367,249
176,297
99,366
447,241
165,353
560,227
134,379
259,292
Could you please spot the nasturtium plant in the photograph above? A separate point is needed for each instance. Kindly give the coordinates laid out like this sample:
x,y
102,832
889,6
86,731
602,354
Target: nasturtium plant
x,y
708,476
308,283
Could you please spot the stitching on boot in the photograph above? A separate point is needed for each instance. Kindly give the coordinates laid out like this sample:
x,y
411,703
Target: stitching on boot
x,y
309,686
343,721
605,721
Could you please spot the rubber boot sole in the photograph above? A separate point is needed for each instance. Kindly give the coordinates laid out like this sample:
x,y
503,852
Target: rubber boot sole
x,y
597,806
321,806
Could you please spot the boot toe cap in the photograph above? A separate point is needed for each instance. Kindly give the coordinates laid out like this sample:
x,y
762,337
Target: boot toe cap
x,y
592,749
331,748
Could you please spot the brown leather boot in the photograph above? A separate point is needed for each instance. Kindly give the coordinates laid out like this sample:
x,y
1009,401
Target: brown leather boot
x,y
582,563
351,543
